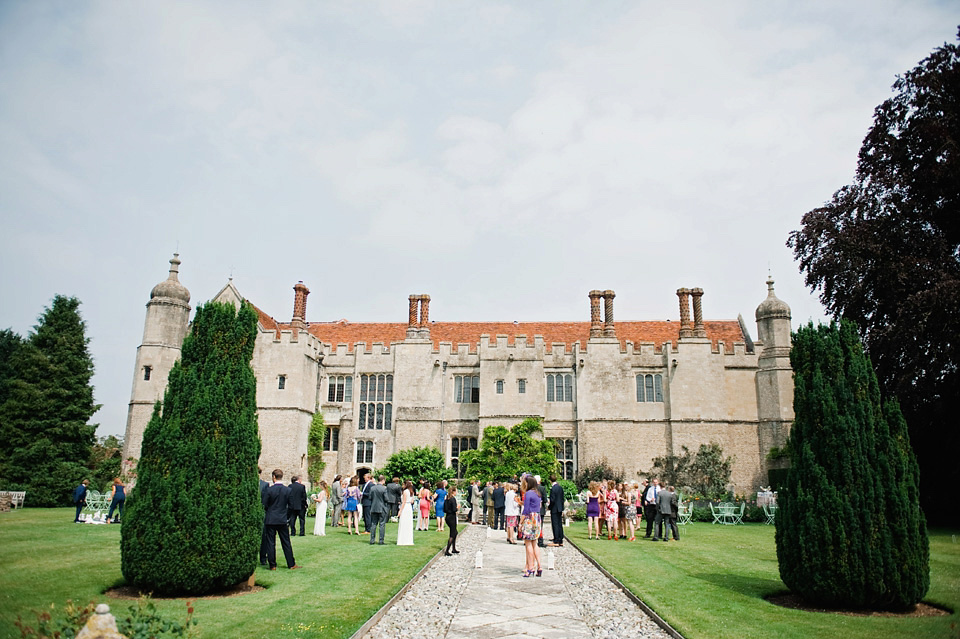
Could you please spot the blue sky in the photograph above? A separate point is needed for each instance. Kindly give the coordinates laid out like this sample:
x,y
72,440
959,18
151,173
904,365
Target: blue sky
x,y
504,157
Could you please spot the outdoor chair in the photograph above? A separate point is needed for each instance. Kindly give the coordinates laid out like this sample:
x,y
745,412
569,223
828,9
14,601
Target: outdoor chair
x,y
738,517
716,515
684,514
17,497
770,513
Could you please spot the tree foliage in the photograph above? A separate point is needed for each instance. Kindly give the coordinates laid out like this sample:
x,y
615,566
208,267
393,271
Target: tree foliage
x,y
420,462
706,473
600,470
884,252
105,462
45,437
194,518
507,452
315,463
850,531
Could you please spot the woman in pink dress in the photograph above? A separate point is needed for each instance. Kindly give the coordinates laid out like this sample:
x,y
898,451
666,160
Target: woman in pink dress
x,y
423,522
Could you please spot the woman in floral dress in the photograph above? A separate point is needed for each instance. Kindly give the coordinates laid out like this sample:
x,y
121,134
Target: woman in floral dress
x,y
613,510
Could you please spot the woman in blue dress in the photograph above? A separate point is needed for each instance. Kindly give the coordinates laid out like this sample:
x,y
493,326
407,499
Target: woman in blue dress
x,y
438,499
350,506
118,497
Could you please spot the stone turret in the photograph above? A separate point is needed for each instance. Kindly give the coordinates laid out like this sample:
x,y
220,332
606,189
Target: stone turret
x,y
167,321
774,377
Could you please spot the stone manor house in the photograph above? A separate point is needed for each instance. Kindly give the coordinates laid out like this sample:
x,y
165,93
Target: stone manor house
x,y
627,391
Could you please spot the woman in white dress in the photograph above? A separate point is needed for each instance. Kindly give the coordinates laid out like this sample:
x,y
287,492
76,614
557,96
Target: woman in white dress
x,y
405,527
320,526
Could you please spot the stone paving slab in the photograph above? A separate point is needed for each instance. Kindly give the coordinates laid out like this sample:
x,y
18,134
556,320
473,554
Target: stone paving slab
x,y
499,603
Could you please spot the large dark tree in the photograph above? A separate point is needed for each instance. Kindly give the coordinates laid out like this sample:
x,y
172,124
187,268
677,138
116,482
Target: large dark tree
x,y
193,519
850,531
507,452
884,252
47,404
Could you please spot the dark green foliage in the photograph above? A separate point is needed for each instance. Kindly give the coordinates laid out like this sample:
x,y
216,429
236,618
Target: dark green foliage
x,y
850,531
421,462
884,252
45,439
507,452
705,473
599,470
569,489
193,520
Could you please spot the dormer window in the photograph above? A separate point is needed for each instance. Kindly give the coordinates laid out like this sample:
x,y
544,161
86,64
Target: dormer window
x,y
282,382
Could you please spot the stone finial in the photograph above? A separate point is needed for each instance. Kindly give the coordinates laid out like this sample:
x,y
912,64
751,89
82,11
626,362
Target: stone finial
x,y
100,625
596,321
608,328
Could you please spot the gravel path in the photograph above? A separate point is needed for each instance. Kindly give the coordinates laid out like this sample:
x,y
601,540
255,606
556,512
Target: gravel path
x,y
434,607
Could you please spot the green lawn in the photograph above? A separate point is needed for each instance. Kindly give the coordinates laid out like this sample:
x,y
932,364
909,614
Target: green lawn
x,y
45,559
711,585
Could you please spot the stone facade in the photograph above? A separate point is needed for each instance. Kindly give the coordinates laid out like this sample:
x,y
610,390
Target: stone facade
x,y
701,381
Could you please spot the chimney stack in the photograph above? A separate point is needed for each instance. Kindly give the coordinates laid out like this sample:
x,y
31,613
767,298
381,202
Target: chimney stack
x,y
608,328
299,306
424,317
686,328
412,317
596,323
698,328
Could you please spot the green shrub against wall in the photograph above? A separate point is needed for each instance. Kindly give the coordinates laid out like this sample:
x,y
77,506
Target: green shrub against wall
x,y
194,517
849,527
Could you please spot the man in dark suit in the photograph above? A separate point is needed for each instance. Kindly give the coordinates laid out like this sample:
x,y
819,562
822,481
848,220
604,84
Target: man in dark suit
x,y
80,499
393,496
297,508
556,511
263,529
379,509
275,500
365,502
649,501
499,506
667,514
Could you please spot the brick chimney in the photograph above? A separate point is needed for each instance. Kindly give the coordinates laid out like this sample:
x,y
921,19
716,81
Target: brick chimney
x,y
698,328
608,328
424,317
412,323
686,328
596,322
300,306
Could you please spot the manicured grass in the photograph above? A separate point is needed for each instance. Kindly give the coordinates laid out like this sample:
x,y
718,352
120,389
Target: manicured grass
x,y
45,559
712,583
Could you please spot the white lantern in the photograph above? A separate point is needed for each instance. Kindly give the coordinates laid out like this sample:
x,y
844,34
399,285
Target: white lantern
x,y
551,560
479,559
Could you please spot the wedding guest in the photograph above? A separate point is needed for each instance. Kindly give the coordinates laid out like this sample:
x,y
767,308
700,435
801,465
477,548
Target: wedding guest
x,y
450,507
319,526
405,519
439,499
593,510
530,526
511,509
80,498
630,510
352,499
336,501
613,510
117,497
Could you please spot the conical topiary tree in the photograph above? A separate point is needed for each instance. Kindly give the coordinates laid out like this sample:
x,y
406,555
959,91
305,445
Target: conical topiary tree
x,y
193,520
849,530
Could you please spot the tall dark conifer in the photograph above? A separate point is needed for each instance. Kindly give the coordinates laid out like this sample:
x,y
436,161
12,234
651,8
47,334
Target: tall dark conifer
x,y
849,530
194,517
47,403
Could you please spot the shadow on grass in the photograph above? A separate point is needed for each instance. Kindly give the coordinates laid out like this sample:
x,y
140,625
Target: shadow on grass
x,y
743,584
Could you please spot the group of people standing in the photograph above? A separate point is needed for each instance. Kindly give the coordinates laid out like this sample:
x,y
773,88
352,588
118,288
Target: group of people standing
x,y
118,497
620,507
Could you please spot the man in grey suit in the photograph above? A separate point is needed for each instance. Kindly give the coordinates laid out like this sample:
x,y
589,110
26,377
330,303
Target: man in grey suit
x,y
379,509
666,513
336,501
393,496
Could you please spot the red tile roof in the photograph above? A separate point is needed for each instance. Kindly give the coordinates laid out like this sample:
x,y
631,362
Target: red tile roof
x,y
658,332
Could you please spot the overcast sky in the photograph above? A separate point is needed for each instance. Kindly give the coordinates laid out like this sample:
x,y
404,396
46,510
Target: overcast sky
x,y
505,158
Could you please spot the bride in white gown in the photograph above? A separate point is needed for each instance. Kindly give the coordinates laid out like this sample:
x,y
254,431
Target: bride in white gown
x,y
405,528
320,525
